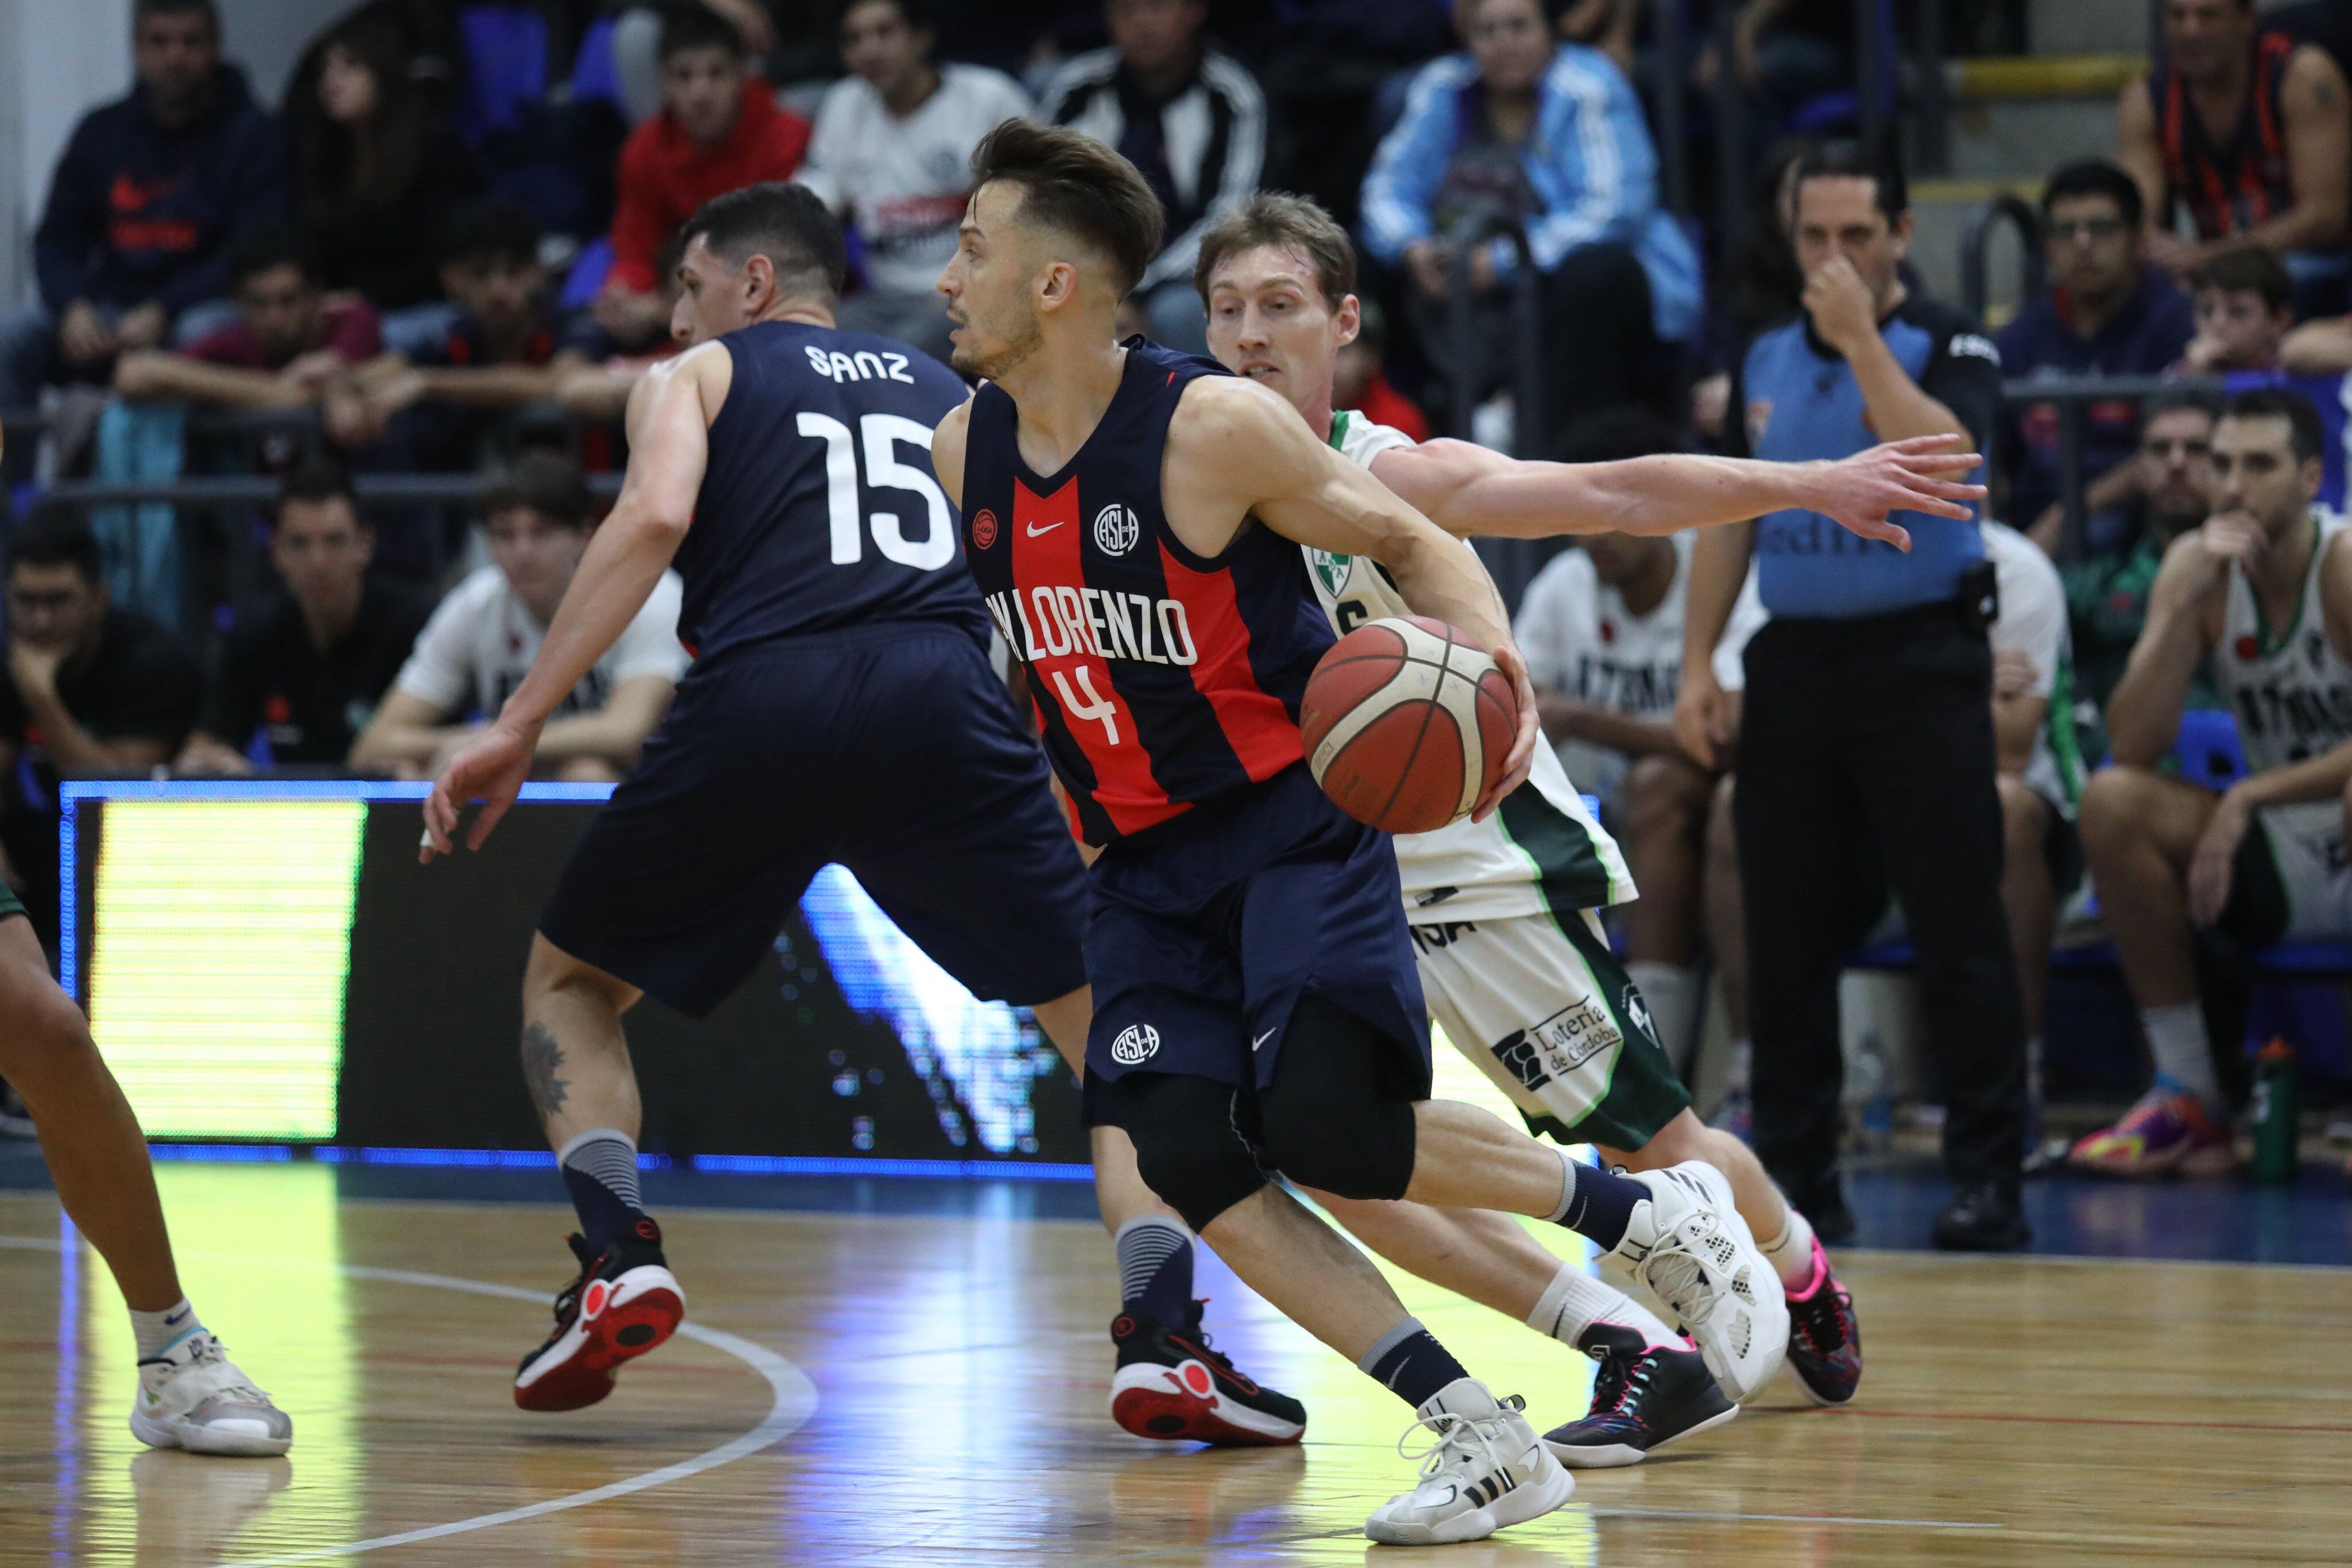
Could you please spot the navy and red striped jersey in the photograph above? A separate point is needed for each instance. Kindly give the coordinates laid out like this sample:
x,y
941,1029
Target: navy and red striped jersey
x,y
1162,679
2229,186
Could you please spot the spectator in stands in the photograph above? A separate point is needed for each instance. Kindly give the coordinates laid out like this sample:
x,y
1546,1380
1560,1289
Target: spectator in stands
x,y
2107,595
90,688
1601,627
1551,137
2245,306
480,643
2264,861
892,156
1900,766
719,128
2245,131
143,206
504,349
2108,312
375,166
297,675
288,343
1189,117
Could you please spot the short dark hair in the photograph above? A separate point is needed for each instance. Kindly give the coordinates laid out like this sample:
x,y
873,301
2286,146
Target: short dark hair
x,y
1075,183
2095,177
917,14
317,480
2249,269
1615,434
788,224
488,228
203,8
1852,160
2173,400
266,246
2306,435
1288,223
59,538
689,24
548,484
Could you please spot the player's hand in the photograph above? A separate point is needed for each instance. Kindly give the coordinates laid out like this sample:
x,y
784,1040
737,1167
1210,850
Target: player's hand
x,y
34,671
1840,305
490,768
1706,719
2216,855
1523,749
1925,474
2013,673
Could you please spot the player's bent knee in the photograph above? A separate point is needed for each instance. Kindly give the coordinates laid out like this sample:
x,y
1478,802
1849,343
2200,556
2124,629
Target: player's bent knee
x,y
1362,1149
2111,809
1185,1147
550,970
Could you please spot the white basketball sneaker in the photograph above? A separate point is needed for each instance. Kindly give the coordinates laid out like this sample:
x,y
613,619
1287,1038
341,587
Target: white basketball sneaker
x,y
193,1397
1690,1247
1487,1470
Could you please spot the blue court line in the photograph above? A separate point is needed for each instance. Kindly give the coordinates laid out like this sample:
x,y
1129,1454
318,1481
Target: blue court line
x,y
541,1159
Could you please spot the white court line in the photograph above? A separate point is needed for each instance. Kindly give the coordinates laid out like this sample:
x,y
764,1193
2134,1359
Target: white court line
x,y
794,1403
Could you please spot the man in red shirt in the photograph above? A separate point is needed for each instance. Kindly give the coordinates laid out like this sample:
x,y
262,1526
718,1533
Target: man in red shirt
x,y
287,345
719,129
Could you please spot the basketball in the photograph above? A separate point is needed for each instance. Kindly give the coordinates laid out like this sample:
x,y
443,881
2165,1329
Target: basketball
x,y
1406,723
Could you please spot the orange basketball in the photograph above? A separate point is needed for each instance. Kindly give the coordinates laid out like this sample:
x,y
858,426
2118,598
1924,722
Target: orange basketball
x,y
1406,723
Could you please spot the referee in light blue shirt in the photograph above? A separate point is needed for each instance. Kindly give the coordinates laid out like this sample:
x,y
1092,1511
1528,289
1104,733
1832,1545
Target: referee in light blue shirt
x,y
1865,746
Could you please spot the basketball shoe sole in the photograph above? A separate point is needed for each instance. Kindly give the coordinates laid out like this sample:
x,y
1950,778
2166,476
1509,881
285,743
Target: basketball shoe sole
x,y
1181,1403
619,1320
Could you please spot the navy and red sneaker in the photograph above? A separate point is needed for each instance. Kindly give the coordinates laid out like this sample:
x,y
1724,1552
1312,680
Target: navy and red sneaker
x,y
1171,1387
1644,1398
624,1303
1824,1336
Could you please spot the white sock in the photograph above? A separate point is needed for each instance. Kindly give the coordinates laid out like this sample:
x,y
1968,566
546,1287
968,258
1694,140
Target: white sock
x,y
1575,1300
1672,993
2176,1038
1791,1253
159,1331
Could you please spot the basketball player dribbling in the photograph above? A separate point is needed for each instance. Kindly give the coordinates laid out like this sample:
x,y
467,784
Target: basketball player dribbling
x,y
1511,955
1133,517
841,707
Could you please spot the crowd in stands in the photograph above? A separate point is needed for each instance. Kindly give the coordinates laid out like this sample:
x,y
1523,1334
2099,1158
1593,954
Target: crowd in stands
x,y
449,250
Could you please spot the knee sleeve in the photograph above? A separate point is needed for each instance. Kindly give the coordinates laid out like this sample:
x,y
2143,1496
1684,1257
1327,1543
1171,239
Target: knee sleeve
x,y
1339,1116
1186,1147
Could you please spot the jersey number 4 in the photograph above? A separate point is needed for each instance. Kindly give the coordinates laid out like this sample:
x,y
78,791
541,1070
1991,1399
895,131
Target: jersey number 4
x,y
879,434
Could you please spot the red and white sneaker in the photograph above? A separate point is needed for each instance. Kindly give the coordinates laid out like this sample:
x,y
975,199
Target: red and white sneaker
x,y
2168,1131
1172,1387
624,1303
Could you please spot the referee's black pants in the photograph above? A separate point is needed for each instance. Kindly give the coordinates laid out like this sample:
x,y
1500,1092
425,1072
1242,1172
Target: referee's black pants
x,y
1866,750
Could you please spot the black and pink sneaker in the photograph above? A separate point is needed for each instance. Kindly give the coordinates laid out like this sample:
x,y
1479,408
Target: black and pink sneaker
x,y
1824,1336
1171,1387
624,1303
1644,1398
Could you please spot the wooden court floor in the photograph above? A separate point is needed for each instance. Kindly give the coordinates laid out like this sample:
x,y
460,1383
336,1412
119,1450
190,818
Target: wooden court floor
x,y
903,1390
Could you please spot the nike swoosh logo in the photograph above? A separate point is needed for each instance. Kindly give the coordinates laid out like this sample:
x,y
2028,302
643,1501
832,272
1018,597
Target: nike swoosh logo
x,y
171,1318
1034,531
1259,1043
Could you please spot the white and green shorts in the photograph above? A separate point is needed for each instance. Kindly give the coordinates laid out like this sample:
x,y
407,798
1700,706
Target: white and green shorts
x,y
1546,1010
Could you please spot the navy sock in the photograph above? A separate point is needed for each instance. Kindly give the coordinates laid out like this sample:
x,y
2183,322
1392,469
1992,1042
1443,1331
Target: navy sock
x,y
1155,1269
1598,1204
600,1170
1410,1363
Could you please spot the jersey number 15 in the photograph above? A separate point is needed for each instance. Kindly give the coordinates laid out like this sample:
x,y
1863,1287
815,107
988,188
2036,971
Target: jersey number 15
x,y
881,433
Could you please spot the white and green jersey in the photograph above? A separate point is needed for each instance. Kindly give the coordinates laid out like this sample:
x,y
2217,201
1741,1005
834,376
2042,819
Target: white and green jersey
x,y
1542,849
2292,691
2032,620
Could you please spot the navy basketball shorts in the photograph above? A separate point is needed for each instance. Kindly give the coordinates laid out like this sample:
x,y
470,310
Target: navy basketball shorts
x,y
892,750
1207,929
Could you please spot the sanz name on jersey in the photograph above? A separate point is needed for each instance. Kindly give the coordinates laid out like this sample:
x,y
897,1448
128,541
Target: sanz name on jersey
x,y
1056,622
865,365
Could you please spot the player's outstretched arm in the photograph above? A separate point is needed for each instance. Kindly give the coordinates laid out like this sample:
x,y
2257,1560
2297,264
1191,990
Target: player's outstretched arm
x,y
669,447
1466,489
1246,442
